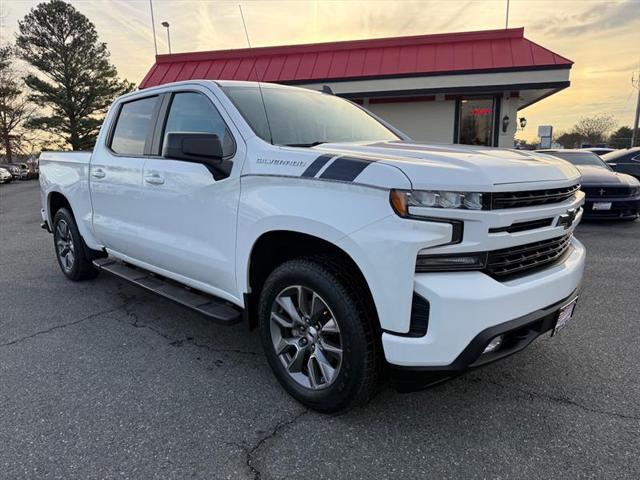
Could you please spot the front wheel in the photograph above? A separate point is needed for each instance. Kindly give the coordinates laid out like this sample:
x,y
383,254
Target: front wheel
x,y
70,248
318,335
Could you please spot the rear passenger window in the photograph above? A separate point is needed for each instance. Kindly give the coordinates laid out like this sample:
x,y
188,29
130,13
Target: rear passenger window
x,y
132,126
193,112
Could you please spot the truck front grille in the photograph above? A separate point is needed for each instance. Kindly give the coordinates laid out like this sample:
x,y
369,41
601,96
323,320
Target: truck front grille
x,y
530,198
525,258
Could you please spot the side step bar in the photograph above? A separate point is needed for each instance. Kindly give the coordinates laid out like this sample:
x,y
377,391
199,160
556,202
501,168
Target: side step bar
x,y
212,307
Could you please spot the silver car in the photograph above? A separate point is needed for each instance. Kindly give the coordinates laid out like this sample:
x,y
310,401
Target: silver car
x,y
5,175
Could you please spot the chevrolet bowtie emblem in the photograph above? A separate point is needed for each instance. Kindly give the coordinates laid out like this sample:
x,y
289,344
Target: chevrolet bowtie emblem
x,y
566,219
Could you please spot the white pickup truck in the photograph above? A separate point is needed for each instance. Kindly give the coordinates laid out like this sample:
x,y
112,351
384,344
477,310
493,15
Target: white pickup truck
x,y
356,251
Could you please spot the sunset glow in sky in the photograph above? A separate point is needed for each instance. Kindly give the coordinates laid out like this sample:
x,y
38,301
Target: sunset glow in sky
x,y
601,37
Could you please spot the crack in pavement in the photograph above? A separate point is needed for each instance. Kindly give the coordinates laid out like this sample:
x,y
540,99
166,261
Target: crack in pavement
x,y
64,325
174,342
555,399
277,429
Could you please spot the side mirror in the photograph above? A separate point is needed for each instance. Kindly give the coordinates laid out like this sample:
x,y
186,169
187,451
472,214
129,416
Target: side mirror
x,y
194,147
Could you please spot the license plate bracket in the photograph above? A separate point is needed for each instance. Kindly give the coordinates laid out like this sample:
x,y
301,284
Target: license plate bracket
x,y
602,205
564,315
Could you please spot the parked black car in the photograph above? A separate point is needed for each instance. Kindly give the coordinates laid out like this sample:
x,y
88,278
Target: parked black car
x,y
610,194
626,160
599,150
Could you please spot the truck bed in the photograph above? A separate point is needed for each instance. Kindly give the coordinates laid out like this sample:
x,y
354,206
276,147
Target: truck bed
x,y
67,174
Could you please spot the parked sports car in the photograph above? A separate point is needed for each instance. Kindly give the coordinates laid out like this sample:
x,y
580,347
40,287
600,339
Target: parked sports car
x,y
610,195
626,160
5,175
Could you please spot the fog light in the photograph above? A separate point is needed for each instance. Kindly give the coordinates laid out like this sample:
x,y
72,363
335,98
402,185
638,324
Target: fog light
x,y
494,344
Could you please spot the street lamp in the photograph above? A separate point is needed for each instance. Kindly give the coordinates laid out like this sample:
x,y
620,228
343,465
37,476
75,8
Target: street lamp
x,y
165,24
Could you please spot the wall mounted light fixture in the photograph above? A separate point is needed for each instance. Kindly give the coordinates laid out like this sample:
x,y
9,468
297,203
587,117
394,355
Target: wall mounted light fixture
x,y
505,123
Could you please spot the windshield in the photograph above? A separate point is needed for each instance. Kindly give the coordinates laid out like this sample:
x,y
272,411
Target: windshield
x,y
581,158
304,118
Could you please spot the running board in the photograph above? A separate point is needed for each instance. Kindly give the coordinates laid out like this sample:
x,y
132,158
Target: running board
x,y
212,307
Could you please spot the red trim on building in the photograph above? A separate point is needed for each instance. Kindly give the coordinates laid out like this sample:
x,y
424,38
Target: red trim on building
x,y
465,52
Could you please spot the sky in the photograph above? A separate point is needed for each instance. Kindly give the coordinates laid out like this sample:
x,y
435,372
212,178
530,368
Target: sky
x,y
601,37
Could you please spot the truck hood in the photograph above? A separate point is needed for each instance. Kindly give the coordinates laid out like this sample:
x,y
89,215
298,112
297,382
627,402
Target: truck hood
x,y
460,167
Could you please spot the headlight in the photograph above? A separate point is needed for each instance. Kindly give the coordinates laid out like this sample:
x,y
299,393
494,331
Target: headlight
x,y
447,263
401,200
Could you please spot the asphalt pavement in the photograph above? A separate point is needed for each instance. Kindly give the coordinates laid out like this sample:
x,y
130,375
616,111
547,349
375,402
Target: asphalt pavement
x,y
101,379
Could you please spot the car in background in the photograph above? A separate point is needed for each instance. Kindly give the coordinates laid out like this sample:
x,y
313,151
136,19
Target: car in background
x,y
24,171
609,194
34,169
626,160
13,168
599,150
5,175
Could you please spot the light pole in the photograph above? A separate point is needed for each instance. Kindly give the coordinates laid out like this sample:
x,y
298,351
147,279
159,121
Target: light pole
x,y
153,26
165,24
506,22
635,134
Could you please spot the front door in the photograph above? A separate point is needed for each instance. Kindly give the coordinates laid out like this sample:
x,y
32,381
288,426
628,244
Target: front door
x,y
115,178
476,121
190,217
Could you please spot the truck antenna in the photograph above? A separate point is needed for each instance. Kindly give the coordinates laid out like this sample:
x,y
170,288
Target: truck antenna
x,y
254,69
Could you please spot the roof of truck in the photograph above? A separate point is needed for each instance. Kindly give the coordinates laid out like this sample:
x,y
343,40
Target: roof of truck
x,y
422,55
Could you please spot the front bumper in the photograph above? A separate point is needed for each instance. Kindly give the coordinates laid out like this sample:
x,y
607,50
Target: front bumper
x,y
517,335
620,208
463,305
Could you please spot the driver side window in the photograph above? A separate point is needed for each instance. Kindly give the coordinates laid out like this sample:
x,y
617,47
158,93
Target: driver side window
x,y
193,112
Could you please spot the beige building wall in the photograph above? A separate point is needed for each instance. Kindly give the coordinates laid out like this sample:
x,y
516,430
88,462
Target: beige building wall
x,y
433,121
508,107
430,121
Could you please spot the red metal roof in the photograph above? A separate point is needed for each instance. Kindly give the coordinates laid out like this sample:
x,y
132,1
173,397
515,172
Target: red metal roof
x,y
466,52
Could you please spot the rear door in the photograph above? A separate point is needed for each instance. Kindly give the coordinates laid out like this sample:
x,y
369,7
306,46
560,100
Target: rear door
x,y
115,177
190,216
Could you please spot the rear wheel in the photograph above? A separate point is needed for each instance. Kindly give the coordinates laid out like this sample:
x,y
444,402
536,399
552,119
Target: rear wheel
x,y
70,248
317,335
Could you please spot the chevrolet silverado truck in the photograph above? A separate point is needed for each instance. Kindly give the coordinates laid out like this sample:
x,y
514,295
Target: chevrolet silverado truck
x,y
357,253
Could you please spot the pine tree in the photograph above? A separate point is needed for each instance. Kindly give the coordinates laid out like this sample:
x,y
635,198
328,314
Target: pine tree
x,y
75,81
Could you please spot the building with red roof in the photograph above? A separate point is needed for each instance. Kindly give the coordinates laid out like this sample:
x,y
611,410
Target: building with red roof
x,y
456,87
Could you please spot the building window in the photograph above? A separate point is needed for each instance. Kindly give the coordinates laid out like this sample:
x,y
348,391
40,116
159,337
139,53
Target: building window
x,y
476,121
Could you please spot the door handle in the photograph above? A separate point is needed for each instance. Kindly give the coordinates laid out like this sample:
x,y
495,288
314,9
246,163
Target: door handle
x,y
154,179
98,173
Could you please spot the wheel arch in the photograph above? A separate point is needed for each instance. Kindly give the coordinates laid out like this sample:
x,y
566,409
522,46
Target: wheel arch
x,y
56,201
274,247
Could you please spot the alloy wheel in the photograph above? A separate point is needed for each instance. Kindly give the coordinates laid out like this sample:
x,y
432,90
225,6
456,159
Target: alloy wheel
x,y
306,337
64,245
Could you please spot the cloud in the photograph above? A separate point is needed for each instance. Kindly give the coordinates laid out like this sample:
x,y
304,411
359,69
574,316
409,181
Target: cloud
x,y
602,17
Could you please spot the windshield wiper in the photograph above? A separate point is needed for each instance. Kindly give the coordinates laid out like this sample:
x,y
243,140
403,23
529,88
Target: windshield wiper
x,y
312,144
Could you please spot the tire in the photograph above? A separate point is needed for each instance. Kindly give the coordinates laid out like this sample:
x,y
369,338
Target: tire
x,y
71,251
332,299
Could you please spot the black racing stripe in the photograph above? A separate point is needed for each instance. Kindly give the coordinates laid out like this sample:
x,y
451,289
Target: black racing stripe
x,y
345,169
317,164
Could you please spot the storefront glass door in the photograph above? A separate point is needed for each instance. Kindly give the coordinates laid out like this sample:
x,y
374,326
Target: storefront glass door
x,y
476,121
